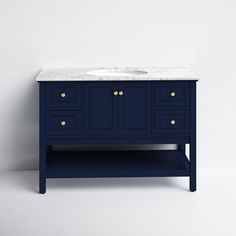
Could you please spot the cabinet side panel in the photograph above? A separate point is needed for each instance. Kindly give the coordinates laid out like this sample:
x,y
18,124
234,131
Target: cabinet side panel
x,y
42,138
193,149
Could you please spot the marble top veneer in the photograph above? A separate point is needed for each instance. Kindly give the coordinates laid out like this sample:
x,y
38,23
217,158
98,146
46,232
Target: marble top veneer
x,y
87,74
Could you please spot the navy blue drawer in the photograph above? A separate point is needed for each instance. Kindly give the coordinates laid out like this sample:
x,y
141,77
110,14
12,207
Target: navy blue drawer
x,y
172,94
63,95
174,122
63,122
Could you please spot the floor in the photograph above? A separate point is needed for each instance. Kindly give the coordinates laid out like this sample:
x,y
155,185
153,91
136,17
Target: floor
x,y
112,207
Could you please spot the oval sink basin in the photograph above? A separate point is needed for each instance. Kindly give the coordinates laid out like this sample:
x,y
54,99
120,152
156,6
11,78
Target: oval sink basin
x,y
116,72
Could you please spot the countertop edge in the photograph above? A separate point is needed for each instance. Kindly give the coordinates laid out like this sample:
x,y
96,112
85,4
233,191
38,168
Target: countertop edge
x,y
72,74
105,80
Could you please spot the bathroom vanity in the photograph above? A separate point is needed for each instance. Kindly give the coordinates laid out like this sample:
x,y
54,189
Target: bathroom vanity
x,y
117,106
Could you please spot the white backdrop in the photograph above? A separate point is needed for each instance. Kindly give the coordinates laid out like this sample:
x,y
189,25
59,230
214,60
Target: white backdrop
x,y
200,34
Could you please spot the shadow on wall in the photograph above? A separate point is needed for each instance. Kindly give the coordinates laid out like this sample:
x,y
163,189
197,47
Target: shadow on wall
x,y
24,126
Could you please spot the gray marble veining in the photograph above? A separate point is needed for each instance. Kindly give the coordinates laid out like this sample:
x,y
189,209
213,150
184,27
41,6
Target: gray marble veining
x,y
115,73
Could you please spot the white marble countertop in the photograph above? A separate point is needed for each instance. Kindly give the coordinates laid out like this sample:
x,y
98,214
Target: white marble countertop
x,y
115,73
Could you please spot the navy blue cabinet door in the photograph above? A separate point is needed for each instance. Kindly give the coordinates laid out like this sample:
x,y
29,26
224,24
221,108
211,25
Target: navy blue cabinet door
x,y
135,106
101,108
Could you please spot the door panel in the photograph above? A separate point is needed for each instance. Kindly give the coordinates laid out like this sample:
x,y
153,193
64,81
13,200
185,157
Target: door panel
x,y
135,108
100,108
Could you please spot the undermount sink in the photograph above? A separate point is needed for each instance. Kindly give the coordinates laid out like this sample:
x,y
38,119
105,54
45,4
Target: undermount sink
x,y
116,72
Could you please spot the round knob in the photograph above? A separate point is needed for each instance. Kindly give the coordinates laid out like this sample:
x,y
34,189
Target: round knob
x,y
172,94
115,93
63,123
63,95
172,122
121,93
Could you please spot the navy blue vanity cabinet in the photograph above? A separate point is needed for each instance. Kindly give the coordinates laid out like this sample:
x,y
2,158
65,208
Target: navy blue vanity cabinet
x,y
117,113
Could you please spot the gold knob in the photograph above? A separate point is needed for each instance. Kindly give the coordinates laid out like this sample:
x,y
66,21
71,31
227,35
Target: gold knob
x,y
172,122
172,94
63,123
115,93
121,93
63,95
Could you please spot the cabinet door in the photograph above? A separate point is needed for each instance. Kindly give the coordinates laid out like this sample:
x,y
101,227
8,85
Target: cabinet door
x,y
135,108
101,108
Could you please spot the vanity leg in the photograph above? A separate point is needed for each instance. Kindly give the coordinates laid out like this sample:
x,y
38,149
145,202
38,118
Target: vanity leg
x,y
42,140
42,169
182,147
192,167
193,150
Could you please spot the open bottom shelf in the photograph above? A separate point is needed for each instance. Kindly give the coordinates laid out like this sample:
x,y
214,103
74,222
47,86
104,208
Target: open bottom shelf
x,y
73,164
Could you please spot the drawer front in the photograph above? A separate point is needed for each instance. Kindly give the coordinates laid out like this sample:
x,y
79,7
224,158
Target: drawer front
x,y
64,95
172,94
174,122
63,123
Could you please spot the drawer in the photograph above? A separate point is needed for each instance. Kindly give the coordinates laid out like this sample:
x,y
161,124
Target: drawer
x,y
63,122
174,122
172,94
63,95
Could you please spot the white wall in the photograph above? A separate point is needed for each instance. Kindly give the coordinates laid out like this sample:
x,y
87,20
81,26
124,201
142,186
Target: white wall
x,y
35,33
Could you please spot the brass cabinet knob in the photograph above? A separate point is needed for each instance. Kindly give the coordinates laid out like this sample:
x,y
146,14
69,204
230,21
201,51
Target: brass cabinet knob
x,y
121,93
172,122
115,93
63,95
63,123
172,94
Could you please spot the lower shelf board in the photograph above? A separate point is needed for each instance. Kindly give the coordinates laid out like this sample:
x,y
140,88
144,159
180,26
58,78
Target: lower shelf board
x,y
84,164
